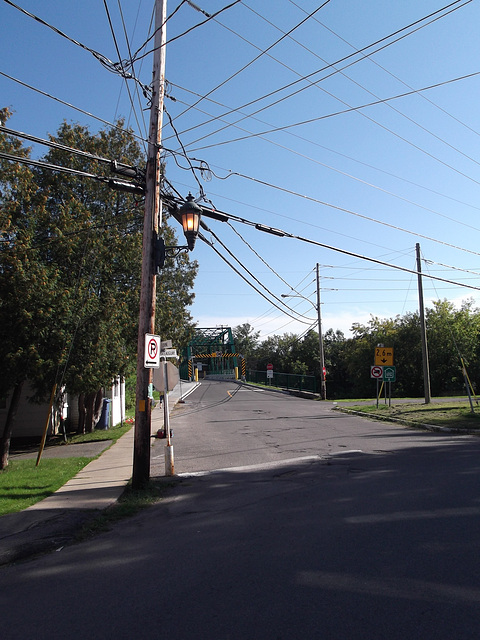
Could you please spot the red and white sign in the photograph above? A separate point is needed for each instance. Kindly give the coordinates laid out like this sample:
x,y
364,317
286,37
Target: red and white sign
x,y
376,372
152,351
269,367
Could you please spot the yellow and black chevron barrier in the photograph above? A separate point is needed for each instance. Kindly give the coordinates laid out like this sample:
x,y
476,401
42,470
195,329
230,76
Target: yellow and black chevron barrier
x,y
216,354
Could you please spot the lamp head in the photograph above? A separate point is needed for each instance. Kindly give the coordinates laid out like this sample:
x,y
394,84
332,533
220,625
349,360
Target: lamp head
x,y
190,214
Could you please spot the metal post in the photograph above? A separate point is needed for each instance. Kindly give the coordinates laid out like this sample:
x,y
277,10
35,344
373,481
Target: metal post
x,y
151,223
323,384
169,464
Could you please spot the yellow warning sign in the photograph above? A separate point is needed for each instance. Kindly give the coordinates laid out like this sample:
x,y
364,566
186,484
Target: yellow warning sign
x,y
384,356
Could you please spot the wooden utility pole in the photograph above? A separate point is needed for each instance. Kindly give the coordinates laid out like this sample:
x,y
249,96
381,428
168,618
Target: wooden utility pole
x,y
323,383
151,223
423,330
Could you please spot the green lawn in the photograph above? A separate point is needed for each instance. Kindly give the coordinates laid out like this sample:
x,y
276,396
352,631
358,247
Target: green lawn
x,y
452,415
22,483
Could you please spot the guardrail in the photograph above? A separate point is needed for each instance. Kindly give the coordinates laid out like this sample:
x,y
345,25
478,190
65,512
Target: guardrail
x,y
289,381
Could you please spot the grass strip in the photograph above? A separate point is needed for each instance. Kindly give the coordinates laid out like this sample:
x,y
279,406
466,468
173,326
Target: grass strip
x,y
447,415
23,484
99,435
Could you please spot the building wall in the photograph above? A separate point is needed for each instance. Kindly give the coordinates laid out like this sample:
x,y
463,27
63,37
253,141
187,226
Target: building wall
x,y
31,418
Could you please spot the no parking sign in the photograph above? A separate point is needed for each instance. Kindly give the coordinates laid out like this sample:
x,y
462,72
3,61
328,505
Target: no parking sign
x,y
152,351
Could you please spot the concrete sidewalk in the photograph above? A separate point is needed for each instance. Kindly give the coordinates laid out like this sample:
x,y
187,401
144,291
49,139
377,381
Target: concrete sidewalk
x,y
54,521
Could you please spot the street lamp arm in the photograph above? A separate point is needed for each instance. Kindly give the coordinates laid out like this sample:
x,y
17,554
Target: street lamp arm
x,y
292,295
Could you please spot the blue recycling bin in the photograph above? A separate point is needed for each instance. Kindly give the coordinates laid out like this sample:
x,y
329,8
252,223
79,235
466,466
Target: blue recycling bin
x,y
104,421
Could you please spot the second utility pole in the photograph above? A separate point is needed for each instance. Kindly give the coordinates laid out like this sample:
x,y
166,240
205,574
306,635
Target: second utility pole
x,y
323,383
423,329
151,222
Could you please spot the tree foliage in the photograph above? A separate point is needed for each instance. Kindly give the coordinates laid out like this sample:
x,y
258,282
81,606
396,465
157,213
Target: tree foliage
x,y
70,265
453,336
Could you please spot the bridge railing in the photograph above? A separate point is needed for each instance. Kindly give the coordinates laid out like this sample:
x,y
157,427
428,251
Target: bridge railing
x,y
284,380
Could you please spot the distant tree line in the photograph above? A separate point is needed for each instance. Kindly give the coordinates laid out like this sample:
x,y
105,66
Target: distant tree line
x,y
453,336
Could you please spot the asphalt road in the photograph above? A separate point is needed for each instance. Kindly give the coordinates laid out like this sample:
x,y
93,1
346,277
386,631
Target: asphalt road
x,y
225,425
345,529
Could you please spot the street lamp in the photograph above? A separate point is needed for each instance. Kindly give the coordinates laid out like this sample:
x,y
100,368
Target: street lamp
x,y
323,383
189,216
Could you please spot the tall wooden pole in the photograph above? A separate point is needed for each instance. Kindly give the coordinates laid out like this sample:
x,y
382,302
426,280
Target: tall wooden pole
x,y
151,222
423,330
323,383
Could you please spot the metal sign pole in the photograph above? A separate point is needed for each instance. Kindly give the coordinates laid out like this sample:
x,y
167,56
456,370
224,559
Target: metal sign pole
x,y
169,463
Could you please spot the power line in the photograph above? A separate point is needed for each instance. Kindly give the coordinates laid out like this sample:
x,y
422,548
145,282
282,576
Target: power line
x,y
68,104
354,213
356,160
285,234
390,106
114,184
247,270
181,35
53,144
123,74
212,246
262,53
377,64
134,56
350,110
369,184
106,62
338,62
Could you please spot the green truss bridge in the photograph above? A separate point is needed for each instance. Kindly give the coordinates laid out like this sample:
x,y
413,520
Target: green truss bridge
x,y
211,353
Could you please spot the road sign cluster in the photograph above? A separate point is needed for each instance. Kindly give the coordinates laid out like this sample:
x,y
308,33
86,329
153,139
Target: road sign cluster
x,y
388,374
383,368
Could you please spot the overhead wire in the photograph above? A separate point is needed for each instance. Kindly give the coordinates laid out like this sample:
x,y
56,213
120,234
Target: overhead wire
x,y
262,53
212,246
334,64
181,35
127,40
350,110
281,233
351,212
70,105
134,57
377,64
361,112
232,255
53,144
117,49
106,62
117,184
185,155
353,177
269,266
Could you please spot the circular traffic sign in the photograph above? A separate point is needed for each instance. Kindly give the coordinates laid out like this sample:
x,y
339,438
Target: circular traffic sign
x,y
376,372
152,348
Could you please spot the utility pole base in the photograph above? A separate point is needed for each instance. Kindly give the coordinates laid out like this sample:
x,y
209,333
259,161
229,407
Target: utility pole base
x,y
169,464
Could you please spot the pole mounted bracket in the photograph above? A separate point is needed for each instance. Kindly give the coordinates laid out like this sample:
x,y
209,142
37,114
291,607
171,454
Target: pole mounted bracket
x,y
160,253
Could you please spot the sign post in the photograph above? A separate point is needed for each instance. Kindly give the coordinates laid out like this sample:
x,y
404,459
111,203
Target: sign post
x,y
269,373
384,370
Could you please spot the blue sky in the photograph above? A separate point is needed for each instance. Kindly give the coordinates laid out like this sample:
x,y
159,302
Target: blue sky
x,y
369,180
